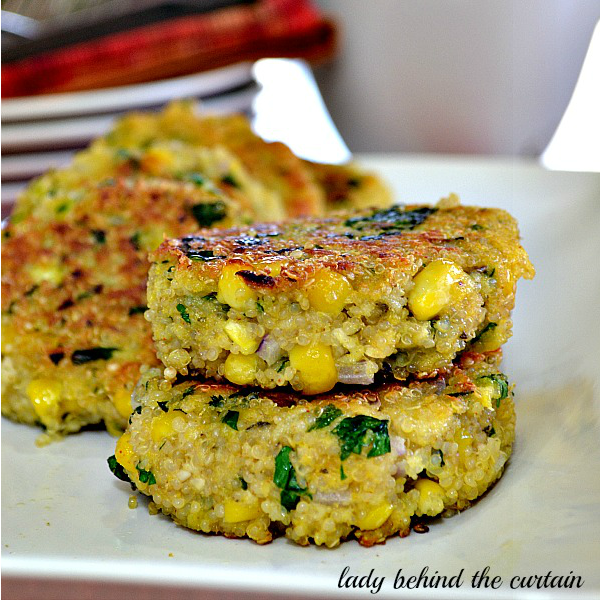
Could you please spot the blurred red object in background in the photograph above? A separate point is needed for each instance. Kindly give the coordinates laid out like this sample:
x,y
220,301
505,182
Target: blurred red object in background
x,y
179,46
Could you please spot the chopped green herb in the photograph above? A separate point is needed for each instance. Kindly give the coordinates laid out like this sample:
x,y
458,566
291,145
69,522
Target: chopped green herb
x,y
56,357
393,218
243,483
134,240
476,227
117,470
61,208
188,392
210,212
216,401
163,405
342,474
260,308
490,273
357,432
196,178
182,309
99,236
440,454
136,310
490,431
210,297
487,328
201,255
284,363
285,478
80,357
231,418
146,476
230,180
329,414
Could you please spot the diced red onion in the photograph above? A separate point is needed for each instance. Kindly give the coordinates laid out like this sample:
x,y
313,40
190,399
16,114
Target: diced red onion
x,y
269,350
357,374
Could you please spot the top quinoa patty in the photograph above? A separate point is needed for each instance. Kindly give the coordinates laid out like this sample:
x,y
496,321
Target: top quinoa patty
x,y
315,302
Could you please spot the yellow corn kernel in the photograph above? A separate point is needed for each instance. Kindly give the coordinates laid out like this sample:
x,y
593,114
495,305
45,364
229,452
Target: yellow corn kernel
x,y
124,453
241,369
491,339
433,288
376,517
44,394
232,289
236,512
431,497
157,161
240,334
162,426
464,441
122,402
329,292
315,367
487,391
49,271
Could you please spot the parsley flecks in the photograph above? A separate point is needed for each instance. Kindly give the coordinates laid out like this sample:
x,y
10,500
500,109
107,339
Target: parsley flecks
x,y
56,357
393,218
342,474
285,478
329,414
260,307
201,255
230,180
216,401
188,392
117,470
243,483
210,212
163,405
146,476
362,430
80,357
136,310
284,363
231,418
196,178
99,236
440,454
476,227
182,309
487,328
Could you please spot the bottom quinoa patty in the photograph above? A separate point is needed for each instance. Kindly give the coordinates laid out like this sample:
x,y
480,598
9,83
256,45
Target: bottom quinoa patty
x,y
261,464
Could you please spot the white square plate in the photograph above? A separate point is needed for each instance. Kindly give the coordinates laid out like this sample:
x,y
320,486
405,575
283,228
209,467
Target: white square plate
x,y
64,516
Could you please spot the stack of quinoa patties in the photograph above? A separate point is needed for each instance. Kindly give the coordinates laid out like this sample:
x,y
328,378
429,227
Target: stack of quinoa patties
x,y
327,377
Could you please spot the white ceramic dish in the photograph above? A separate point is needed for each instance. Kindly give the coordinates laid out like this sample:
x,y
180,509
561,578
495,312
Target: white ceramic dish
x,y
64,516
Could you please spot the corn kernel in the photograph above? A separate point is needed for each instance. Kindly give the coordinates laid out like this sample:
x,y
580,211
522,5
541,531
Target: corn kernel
x,y
236,512
122,402
486,392
431,497
433,288
315,366
464,441
241,369
162,426
240,334
157,161
44,394
124,453
491,339
232,290
329,292
376,517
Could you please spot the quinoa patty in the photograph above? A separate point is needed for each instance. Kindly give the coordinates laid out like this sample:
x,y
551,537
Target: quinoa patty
x,y
315,302
74,294
365,462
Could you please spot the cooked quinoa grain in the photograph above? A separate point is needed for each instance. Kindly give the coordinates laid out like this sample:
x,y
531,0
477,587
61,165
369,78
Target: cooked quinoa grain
x,y
258,464
315,302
